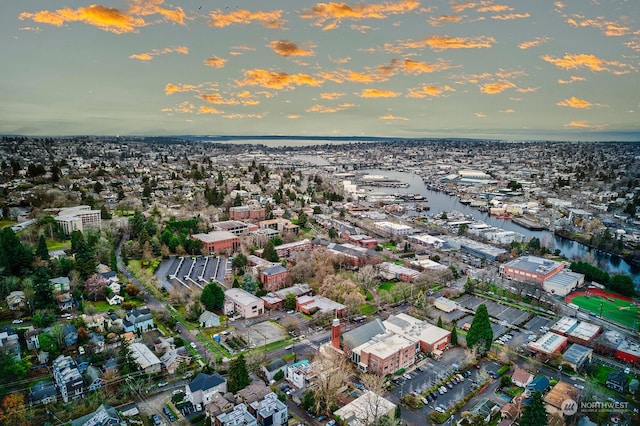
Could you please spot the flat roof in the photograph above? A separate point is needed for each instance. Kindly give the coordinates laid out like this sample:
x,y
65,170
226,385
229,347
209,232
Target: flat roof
x,y
576,353
565,325
564,278
358,411
415,329
215,236
585,331
548,343
629,347
535,264
385,345
398,269
241,296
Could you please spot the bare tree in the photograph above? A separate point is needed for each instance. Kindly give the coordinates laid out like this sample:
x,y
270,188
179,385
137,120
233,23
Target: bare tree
x,y
332,369
291,323
366,275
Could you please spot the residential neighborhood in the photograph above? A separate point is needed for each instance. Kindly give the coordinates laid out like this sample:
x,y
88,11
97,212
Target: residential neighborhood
x,y
152,281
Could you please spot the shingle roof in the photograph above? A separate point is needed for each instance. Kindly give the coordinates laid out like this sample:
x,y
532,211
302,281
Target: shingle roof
x,y
205,381
362,334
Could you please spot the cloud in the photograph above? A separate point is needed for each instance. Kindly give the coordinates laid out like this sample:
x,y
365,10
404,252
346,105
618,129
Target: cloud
x,y
592,62
582,124
480,114
34,29
183,107
457,8
608,28
392,117
215,62
109,19
329,15
496,87
340,76
217,99
494,8
331,95
508,111
572,79
339,60
327,109
559,5
510,16
428,90
444,19
269,19
106,18
574,102
207,109
147,56
439,43
276,80
239,50
293,116
375,93
171,88
256,116
409,66
533,43
288,48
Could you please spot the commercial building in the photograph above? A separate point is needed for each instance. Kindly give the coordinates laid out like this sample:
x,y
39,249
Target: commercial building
x,y
431,339
275,277
394,228
78,218
290,249
584,333
578,356
564,325
218,242
363,240
283,226
245,304
391,271
427,240
365,410
234,226
531,269
607,343
444,304
251,213
385,354
312,304
475,248
548,344
628,352
563,283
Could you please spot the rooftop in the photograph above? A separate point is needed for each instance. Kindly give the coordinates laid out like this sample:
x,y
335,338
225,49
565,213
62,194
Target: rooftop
x,y
241,296
576,354
564,278
565,325
561,392
548,343
534,264
585,331
214,236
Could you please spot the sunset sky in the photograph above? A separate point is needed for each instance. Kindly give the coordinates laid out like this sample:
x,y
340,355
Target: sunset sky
x,y
405,68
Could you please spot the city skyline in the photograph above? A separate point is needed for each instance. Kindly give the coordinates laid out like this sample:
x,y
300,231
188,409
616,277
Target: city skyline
x,y
399,68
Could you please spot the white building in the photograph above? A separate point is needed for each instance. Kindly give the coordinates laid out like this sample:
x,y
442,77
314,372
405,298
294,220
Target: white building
x,y
203,387
365,410
147,360
395,228
245,304
78,218
563,283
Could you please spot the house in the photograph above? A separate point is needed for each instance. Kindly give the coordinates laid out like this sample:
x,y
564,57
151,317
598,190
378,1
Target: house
x,y
485,408
64,301
96,343
617,381
43,392
275,277
92,376
138,320
219,404
16,300
254,392
557,396
538,384
31,337
510,411
115,299
270,411
172,359
60,284
10,344
104,415
147,360
299,374
239,416
70,333
203,387
208,319
99,321
312,304
68,378
521,378
272,368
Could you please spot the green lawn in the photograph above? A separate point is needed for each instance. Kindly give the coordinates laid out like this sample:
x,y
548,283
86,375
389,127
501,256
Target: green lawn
x,y
7,222
610,309
58,245
386,286
601,373
367,309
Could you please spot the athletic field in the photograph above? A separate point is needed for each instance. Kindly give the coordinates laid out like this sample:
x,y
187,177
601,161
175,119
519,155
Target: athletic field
x,y
612,306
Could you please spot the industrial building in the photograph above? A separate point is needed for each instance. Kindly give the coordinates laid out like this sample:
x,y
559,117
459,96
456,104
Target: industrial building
x,y
531,269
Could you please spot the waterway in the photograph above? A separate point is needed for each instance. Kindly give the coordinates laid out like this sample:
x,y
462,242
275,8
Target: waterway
x,y
572,250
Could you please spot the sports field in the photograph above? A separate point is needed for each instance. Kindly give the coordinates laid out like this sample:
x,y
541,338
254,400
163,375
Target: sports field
x,y
611,306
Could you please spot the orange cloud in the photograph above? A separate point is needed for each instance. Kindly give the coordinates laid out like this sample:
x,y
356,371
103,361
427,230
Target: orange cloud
x,y
206,109
508,111
215,62
269,19
582,124
497,87
428,90
392,117
293,116
147,56
239,50
288,48
154,7
106,18
494,8
217,99
256,116
559,5
184,107
340,76
510,16
331,96
276,80
322,13
574,102
462,6
608,28
439,43
533,43
170,88
339,60
326,109
592,62
444,19
375,93
571,79
480,114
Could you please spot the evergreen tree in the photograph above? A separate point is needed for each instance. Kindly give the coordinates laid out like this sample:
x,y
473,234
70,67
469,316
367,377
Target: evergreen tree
x,y
41,251
126,363
248,283
480,334
397,414
113,260
238,375
534,414
212,296
269,253
439,324
15,258
454,335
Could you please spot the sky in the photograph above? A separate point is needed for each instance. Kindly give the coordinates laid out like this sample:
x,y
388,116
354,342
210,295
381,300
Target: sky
x,y
513,69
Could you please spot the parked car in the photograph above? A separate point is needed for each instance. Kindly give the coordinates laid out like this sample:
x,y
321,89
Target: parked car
x,y
18,321
424,400
440,410
162,384
193,345
155,419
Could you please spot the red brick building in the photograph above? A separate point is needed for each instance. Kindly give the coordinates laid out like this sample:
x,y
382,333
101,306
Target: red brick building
x,y
275,277
217,242
531,269
250,213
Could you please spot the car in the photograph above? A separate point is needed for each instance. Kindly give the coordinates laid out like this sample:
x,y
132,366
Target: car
x,y
331,423
321,418
193,345
440,391
291,312
155,419
627,370
579,386
288,348
407,376
449,385
440,409
18,321
162,384
424,400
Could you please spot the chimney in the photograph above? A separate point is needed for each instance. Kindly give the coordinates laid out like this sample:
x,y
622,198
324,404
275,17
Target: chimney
x,y
335,333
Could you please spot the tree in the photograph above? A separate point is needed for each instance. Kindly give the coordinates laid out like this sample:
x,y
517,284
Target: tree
x,y
331,372
212,296
290,301
439,323
125,360
534,414
240,261
302,219
132,290
248,283
13,410
269,252
238,375
454,335
622,284
95,287
505,381
480,334
41,250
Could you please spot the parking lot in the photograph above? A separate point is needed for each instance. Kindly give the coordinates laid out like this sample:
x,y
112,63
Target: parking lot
x,y
193,272
508,314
